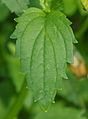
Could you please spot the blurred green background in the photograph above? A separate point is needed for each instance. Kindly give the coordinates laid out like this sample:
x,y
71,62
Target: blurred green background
x,y
16,101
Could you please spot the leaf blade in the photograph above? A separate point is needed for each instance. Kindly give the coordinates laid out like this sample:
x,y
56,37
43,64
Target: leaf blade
x,y
44,51
16,6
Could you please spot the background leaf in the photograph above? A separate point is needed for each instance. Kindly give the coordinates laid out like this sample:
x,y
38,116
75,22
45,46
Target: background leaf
x,y
16,6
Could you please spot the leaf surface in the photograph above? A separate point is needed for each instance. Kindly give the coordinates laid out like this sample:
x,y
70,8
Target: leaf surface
x,y
4,12
44,46
16,6
85,4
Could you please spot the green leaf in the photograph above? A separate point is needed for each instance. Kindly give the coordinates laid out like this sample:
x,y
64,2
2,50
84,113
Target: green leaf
x,y
4,12
85,4
44,46
63,5
72,6
57,4
16,6
35,3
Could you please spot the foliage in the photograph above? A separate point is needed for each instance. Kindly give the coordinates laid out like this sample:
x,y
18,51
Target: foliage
x,y
85,3
47,68
42,58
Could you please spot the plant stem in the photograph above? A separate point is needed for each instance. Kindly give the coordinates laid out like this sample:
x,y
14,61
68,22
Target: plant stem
x,y
45,5
18,102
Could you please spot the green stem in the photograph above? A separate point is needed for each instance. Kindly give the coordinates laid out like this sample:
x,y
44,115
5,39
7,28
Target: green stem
x,y
18,103
45,5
